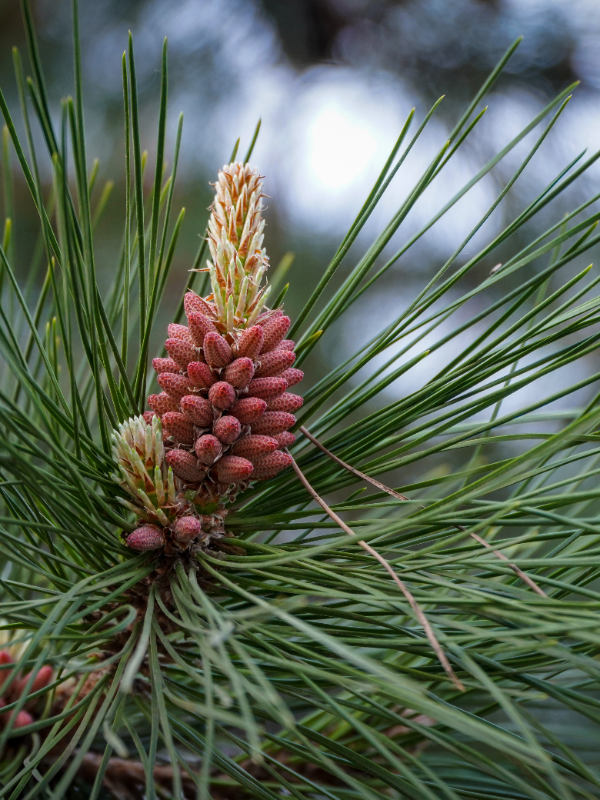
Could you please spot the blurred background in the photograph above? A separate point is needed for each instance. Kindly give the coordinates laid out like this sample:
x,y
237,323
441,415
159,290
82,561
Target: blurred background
x,y
333,81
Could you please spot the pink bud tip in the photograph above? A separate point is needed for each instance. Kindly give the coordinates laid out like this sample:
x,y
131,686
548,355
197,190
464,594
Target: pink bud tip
x,y
163,402
22,719
200,326
193,303
285,439
207,448
41,680
251,447
249,409
178,427
216,350
274,329
286,402
222,395
274,363
268,466
250,342
227,429
286,344
5,657
181,351
197,410
148,537
273,422
239,373
179,332
267,387
185,465
174,385
231,469
185,530
292,376
200,375
165,365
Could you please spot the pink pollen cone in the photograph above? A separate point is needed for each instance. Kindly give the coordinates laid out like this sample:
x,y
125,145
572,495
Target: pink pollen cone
x,y
227,429
200,326
217,351
165,365
222,395
231,469
274,363
185,530
273,422
185,465
250,342
179,427
267,387
179,332
200,375
163,402
174,385
249,409
197,410
253,446
148,537
207,448
239,373
181,351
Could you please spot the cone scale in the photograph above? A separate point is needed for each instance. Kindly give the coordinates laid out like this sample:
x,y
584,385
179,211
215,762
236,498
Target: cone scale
x,y
224,409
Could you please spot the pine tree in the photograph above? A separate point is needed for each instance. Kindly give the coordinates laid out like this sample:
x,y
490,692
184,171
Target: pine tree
x,y
185,610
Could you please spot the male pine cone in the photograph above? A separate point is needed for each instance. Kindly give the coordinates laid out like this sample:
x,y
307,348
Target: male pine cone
x,y
225,407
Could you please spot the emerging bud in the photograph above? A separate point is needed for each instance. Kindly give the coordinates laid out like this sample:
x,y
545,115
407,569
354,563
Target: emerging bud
x,y
252,447
179,332
181,351
163,402
200,325
178,427
197,410
222,395
267,387
148,537
268,466
217,351
273,422
185,530
139,453
292,376
174,385
207,448
22,719
286,402
186,466
227,429
165,364
239,373
231,469
274,363
41,680
275,329
285,439
248,410
200,375
250,342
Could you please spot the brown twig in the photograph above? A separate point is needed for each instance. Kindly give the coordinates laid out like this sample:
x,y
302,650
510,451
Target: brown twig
x,y
413,603
524,577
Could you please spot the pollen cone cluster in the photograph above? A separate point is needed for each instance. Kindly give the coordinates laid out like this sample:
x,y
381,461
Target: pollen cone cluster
x,y
225,410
